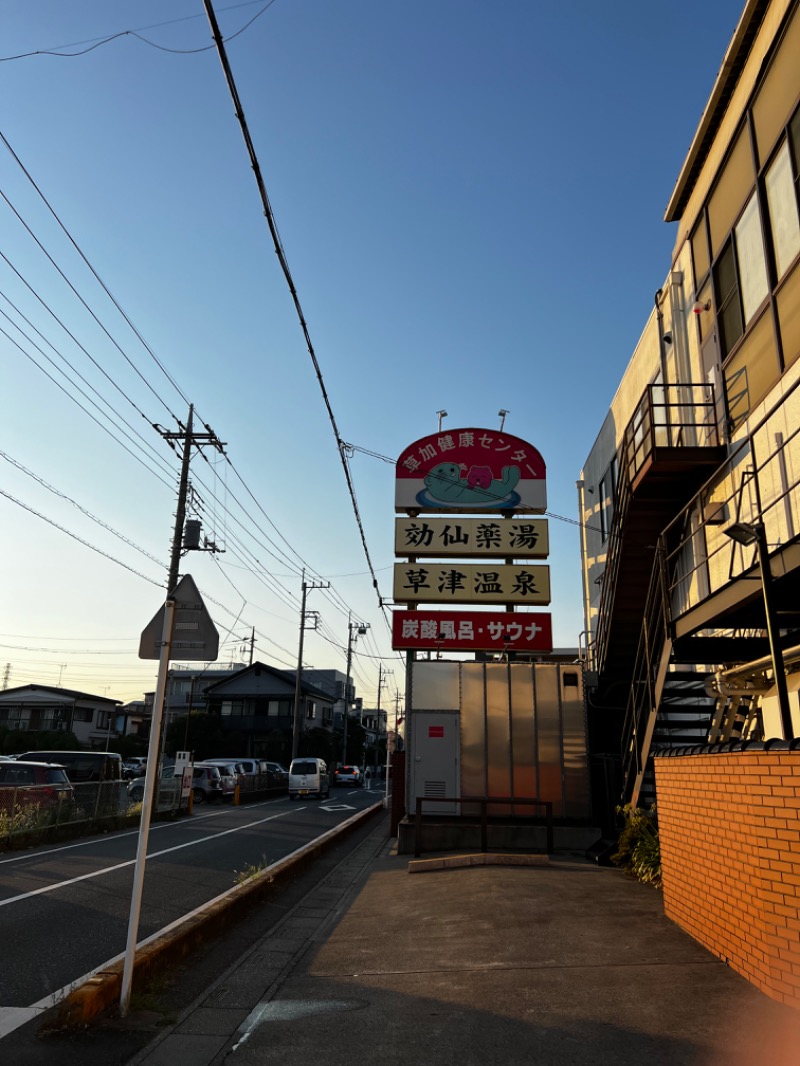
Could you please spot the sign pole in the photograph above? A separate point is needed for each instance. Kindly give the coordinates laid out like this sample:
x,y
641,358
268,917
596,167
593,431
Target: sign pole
x,y
149,788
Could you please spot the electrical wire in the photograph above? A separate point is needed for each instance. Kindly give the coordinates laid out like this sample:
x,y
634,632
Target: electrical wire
x,y
256,166
80,540
94,518
99,42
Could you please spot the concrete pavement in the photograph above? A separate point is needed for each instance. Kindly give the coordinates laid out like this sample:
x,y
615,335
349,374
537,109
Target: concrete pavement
x,y
548,963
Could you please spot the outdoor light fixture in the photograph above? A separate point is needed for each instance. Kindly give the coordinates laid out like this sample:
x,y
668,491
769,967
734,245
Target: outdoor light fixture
x,y
441,414
698,307
742,533
502,412
755,534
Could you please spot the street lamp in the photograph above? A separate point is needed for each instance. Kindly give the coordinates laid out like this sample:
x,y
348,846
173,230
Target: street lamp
x,y
744,533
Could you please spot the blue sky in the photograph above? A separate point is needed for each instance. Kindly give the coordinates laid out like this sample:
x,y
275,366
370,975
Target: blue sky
x,y
470,197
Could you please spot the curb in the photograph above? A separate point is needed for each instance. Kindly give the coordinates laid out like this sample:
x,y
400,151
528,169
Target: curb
x,y
450,862
104,988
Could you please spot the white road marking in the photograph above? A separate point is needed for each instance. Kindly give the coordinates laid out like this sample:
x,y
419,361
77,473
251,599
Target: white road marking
x,y
28,856
130,862
22,1014
338,807
12,1018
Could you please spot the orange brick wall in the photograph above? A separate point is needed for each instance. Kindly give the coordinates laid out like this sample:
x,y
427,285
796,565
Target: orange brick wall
x,y
729,826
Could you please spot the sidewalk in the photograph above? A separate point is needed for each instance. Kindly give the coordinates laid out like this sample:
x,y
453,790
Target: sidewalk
x,y
545,964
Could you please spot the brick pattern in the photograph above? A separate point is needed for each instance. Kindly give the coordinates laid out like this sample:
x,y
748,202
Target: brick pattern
x,y
729,827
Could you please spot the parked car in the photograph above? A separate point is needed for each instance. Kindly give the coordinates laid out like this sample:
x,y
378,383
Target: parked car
x,y
230,773
82,766
279,774
257,774
36,783
168,781
206,783
348,775
309,777
135,766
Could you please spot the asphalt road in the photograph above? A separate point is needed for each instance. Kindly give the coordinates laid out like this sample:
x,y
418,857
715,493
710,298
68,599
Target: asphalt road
x,y
64,908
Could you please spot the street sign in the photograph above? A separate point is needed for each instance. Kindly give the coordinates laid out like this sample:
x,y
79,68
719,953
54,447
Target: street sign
x,y
194,635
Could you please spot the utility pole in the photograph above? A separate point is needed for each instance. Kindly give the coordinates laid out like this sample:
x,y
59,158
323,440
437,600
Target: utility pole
x,y
297,723
187,437
383,679
394,748
354,629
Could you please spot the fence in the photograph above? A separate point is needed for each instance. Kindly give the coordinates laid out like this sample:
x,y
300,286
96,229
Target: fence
x,y
484,802
27,810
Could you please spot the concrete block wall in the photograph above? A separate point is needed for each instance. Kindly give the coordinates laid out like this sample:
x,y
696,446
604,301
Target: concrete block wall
x,y
729,827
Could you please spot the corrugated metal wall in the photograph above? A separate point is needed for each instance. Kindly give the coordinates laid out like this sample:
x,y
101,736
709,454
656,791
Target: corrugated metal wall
x,y
523,730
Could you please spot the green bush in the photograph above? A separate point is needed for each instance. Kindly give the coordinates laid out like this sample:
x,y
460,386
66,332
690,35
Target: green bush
x,y
638,849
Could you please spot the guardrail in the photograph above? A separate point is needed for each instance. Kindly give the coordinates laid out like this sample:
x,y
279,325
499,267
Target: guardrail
x,y
484,802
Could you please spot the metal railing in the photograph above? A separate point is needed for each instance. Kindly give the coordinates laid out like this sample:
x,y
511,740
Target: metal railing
x,y
659,421
484,802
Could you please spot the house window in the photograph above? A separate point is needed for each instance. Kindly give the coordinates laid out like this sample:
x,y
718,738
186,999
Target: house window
x,y
311,710
82,714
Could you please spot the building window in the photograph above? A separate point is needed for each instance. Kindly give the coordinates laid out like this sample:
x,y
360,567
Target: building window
x,y
781,186
740,278
82,714
311,710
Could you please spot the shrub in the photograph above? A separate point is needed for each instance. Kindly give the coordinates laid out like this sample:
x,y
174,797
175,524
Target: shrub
x,y
638,849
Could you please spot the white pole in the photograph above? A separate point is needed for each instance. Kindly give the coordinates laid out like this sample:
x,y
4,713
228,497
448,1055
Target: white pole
x,y
149,789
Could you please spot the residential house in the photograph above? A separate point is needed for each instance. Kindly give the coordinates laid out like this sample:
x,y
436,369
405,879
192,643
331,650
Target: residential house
x,y
94,720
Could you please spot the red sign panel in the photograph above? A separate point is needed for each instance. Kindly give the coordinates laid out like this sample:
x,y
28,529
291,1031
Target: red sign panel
x,y
435,730
466,470
472,631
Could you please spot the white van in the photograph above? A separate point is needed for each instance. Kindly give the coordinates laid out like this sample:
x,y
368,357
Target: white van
x,y
309,777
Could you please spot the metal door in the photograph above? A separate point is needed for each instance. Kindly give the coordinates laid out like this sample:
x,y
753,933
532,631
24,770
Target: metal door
x,y
435,769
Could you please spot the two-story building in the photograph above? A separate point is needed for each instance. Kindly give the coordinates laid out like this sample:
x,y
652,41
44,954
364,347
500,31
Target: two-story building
x,y
94,720
694,479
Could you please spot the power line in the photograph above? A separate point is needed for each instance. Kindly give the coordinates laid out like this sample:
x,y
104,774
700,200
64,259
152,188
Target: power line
x,y
286,272
97,42
94,518
80,540
82,393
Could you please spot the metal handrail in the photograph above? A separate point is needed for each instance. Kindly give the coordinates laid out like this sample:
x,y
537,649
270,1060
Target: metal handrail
x,y
484,802
639,440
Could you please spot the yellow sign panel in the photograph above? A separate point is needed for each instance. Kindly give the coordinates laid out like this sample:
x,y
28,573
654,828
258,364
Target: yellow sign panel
x,y
471,583
517,538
